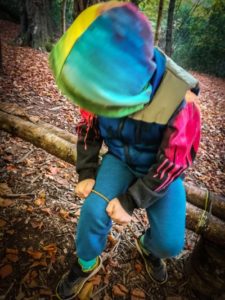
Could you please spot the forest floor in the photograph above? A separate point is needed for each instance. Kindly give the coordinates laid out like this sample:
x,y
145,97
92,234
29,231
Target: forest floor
x,y
39,215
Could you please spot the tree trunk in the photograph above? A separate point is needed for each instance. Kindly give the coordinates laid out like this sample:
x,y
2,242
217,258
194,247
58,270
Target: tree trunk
x,y
80,5
169,30
63,16
36,23
159,20
1,60
206,268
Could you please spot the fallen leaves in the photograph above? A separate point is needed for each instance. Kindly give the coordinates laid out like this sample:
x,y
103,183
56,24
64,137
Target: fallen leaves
x,y
34,254
5,189
31,279
64,214
41,199
137,293
6,202
5,271
119,290
2,223
12,257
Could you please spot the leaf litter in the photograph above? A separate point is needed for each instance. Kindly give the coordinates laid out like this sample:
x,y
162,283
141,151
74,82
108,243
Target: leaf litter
x,y
37,230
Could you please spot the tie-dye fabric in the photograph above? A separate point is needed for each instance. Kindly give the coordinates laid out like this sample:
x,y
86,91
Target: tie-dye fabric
x,y
104,62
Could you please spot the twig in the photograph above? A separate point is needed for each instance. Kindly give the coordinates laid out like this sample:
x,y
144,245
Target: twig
x,y
99,291
17,195
3,297
24,157
36,178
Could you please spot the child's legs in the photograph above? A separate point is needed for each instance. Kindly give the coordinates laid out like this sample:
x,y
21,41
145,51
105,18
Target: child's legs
x,y
166,236
113,179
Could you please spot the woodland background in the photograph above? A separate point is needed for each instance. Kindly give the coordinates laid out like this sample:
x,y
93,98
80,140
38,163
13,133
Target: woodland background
x,y
39,210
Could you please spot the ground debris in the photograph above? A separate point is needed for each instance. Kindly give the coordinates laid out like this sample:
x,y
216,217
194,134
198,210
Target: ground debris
x,y
38,217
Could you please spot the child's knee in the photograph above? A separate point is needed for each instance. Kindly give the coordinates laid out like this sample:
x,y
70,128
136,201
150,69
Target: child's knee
x,y
93,214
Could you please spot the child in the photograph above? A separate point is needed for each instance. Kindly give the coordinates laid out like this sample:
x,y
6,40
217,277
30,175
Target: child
x,y
140,103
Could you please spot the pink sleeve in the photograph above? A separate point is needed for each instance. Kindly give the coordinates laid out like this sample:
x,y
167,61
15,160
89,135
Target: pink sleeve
x,y
179,145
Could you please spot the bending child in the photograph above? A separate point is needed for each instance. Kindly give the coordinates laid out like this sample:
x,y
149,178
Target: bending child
x,y
141,105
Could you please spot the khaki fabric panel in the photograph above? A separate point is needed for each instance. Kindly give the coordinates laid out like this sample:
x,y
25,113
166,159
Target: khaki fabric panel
x,y
165,101
175,83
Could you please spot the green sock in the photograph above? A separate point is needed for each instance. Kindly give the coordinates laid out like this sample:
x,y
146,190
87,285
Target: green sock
x,y
88,265
142,245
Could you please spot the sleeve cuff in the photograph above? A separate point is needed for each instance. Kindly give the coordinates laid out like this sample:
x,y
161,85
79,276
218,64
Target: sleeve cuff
x,y
127,203
87,174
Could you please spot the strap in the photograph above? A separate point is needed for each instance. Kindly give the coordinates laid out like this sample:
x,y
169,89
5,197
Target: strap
x,y
202,223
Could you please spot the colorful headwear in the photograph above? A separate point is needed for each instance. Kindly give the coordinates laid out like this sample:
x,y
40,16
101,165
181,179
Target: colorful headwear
x,y
104,61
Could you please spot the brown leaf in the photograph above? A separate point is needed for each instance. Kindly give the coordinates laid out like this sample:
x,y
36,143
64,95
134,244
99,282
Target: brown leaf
x,y
96,280
5,189
64,214
6,202
2,223
54,170
30,209
11,168
51,249
41,198
12,257
41,263
86,292
123,288
47,211
30,278
106,279
34,254
11,251
112,240
5,271
138,267
117,291
37,224
138,293
77,213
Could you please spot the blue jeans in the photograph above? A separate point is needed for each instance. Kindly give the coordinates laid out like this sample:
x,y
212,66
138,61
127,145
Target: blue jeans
x,y
164,239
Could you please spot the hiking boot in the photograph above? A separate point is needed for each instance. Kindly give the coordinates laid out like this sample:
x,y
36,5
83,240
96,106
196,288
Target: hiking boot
x,y
73,281
155,267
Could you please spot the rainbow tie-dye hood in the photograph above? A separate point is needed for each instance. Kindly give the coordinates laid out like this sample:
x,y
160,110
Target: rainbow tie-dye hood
x,y
104,61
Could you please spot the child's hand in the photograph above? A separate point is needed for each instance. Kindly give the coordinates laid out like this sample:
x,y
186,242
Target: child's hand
x,y
84,188
117,213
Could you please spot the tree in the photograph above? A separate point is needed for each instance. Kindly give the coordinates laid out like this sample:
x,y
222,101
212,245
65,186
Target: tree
x,y
159,20
80,5
36,23
199,37
63,16
169,30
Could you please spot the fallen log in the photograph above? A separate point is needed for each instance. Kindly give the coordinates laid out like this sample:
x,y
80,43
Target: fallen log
x,y
62,145
207,225
204,199
38,136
